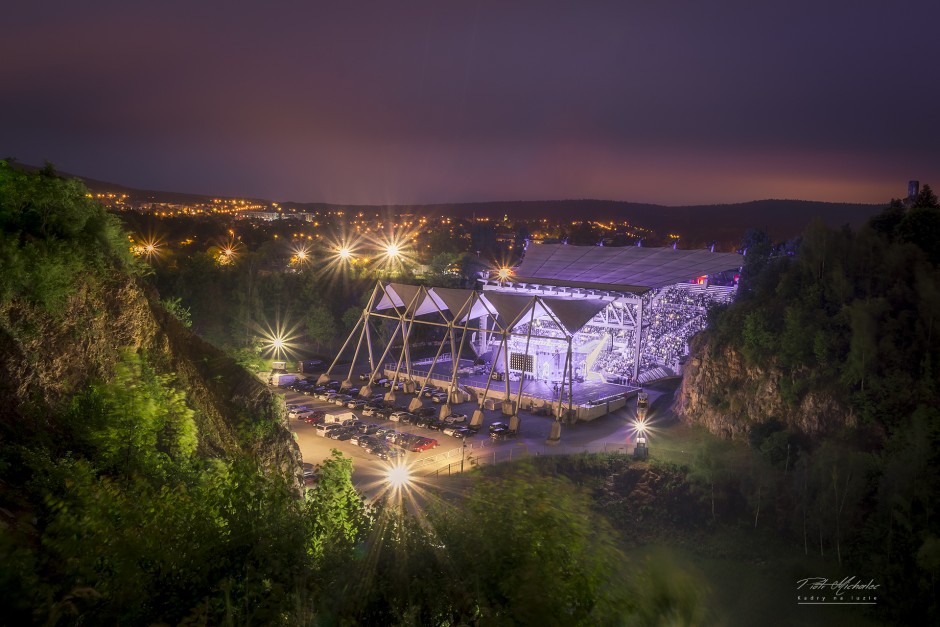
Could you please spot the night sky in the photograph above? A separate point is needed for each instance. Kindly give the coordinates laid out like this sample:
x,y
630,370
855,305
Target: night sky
x,y
443,101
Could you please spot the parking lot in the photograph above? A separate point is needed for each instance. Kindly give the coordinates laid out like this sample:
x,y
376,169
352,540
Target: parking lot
x,y
609,433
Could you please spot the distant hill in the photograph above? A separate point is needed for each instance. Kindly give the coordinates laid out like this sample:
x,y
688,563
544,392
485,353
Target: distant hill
x,y
696,224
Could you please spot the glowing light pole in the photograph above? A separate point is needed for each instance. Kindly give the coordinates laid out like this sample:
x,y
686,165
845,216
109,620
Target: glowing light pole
x,y
398,477
641,450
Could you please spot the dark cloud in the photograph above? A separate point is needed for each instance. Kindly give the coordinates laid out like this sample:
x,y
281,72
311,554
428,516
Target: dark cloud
x,y
671,101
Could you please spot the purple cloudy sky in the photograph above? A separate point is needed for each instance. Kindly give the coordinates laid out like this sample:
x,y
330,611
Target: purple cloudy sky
x,y
676,102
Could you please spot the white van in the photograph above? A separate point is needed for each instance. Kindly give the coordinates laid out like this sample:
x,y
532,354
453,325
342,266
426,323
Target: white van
x,y
338,417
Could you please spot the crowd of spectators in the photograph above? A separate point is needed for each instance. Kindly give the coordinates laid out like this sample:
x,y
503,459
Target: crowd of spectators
x,y
670,318
673,317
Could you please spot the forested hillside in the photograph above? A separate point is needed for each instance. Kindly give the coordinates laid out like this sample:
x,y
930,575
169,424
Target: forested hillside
x,y
827,364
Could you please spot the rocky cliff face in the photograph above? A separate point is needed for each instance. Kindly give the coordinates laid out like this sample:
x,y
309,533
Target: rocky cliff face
x,y
728,396
45,359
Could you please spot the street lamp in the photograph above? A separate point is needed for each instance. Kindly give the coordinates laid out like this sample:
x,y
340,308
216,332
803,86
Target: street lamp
x,y
641,450
398,477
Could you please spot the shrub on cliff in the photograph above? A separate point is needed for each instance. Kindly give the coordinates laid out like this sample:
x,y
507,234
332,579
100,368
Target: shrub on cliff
x,y
51,233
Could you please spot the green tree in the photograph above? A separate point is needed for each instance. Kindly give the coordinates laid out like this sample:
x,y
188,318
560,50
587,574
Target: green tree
x,y
530,550
321,326
137,423
864,318
711,472
926,198
335,509
350,318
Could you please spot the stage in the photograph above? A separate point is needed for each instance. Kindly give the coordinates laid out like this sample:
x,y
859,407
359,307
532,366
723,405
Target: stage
x,y
590,399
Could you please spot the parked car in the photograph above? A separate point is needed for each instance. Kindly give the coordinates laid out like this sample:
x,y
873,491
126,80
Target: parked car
x,y
356,404
425,412
312,365
366,441
422,444
346,434
340,433
368,429
455,418
314,417
311,474
324,429
498,425
396,416
436,425
341,399
423,421
464,433
501,433
297,410
384,451
439,397
451,430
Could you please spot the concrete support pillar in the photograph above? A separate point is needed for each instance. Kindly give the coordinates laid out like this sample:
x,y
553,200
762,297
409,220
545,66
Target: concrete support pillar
x,y
509,407
477,419
415,404
365,391
555,436
445,411
515,423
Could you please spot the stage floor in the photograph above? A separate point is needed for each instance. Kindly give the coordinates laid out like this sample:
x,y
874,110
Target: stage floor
x,y
583,393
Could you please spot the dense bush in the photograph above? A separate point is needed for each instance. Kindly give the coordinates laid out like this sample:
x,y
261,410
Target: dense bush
x,y
52,235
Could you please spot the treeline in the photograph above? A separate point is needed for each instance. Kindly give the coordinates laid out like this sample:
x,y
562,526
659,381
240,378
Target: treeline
x,y
857,316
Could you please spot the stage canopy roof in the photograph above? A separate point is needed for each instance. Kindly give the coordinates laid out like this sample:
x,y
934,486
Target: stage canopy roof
x,y
629,269
507,309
